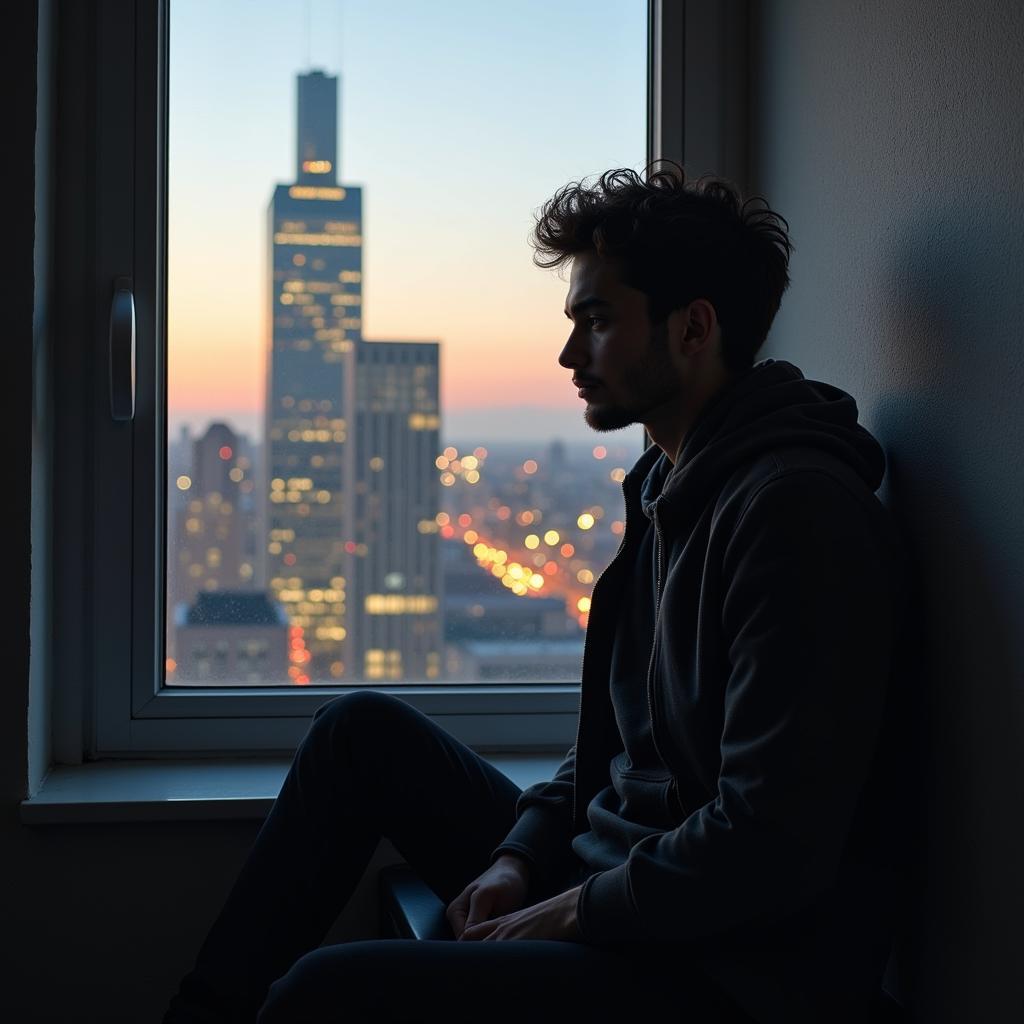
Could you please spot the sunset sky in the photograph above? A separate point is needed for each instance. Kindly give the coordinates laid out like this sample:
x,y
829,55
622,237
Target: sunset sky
x,y
458,119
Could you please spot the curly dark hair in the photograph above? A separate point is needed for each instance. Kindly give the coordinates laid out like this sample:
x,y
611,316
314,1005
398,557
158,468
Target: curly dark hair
x,y
677,240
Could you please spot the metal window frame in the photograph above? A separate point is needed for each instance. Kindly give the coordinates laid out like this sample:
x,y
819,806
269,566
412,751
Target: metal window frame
x,y
121,711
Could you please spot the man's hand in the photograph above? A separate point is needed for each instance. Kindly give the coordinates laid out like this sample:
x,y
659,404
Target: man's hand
x,y
554,918
499,890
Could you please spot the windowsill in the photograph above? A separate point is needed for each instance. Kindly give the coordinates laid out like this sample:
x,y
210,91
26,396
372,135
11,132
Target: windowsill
x,y
196,790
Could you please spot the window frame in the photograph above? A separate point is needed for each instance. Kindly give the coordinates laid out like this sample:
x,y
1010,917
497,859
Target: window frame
x,y
116,707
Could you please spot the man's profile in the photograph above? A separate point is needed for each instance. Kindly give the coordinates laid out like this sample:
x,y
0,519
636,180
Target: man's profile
x,y
718,844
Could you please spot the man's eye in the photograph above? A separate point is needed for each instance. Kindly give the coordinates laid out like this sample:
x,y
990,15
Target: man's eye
x,y
597,321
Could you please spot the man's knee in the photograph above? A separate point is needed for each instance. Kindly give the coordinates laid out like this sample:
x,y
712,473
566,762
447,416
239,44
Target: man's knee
x,y
321,986
359,714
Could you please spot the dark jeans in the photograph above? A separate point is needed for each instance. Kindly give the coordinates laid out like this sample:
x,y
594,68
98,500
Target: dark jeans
x,y
373,766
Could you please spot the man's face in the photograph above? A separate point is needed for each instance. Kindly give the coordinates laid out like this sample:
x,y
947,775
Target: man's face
x,y
620,361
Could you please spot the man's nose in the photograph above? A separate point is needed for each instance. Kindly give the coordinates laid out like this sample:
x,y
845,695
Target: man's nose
x,y
573,354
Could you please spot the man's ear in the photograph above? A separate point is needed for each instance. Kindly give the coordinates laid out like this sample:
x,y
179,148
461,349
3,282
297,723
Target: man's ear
x,y
692,327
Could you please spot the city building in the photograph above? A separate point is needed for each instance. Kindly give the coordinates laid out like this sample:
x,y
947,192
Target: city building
x,y
396,621
314,314
233,637
344,555
212,512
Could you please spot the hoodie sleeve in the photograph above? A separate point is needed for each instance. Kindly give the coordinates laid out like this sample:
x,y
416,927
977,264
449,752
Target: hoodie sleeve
x,y
543,829
810,603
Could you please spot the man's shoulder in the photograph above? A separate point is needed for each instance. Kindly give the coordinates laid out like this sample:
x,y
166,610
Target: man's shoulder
x,y
795,468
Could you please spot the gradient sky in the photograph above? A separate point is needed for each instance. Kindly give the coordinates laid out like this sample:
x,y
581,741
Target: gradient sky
x,y
458,118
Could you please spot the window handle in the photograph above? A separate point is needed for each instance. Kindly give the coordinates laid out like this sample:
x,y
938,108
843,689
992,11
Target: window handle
x,y
122,351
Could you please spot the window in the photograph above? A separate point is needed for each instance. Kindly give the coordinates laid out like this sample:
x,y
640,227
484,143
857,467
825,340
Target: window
x,y
299,501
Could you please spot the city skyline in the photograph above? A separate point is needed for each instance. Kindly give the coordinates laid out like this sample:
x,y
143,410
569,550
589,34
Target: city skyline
x,y
478,293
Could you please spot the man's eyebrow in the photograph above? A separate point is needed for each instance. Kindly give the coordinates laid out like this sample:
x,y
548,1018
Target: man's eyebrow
x,y
590,302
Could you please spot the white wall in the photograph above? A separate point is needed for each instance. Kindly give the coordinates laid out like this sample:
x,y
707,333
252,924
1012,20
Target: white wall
x,y
891,136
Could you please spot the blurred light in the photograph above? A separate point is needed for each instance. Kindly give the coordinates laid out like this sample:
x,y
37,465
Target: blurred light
x,y
289,559
600,452
184,483
551,537
567,550
471,536
524,518
441,462
442,519
451,453
469,462
447,479
480,550
480,453
225,452
529,467
532,541
376,463
447,532
583,604
504,512
536,581
472,477
465,520
585,521
236,475
585,576
350,546
617,526
618,475
550,568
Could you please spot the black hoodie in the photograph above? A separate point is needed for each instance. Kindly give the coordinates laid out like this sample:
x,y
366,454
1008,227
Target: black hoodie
x,y
780,588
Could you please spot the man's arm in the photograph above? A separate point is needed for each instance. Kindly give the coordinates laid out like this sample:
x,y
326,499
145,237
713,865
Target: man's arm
x,y
812,601
542,834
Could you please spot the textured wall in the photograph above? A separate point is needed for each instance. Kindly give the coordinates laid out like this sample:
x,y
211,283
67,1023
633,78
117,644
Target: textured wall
x,y
891,136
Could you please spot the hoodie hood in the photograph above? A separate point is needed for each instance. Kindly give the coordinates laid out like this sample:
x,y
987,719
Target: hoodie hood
x,y
771,406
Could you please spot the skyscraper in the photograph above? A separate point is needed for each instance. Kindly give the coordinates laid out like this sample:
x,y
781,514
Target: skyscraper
x,y
328,532
396,622
315,275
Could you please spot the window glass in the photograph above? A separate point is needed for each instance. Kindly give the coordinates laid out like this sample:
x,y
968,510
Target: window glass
x,y
377,469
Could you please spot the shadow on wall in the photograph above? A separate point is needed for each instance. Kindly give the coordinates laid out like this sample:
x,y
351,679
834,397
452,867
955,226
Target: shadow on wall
x,y
955,319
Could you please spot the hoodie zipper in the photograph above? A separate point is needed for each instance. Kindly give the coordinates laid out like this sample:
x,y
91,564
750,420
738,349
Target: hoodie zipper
x,y
586,638
659,560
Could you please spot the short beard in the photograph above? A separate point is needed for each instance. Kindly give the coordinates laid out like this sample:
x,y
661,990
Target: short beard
x,y
651,383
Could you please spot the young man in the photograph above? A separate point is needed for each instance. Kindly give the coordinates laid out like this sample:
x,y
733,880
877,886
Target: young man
x,y
720,843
